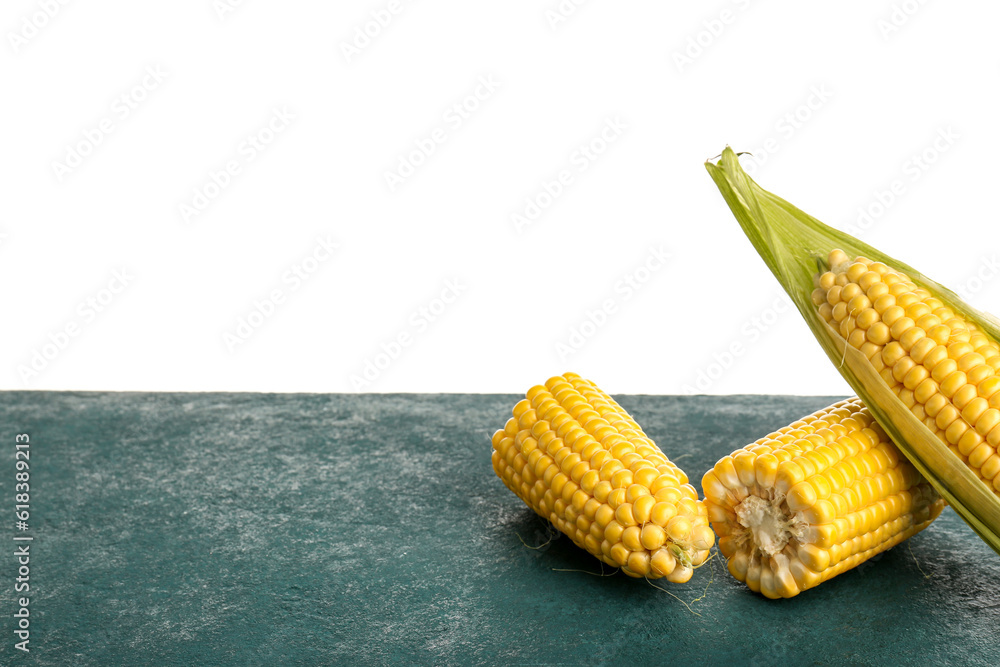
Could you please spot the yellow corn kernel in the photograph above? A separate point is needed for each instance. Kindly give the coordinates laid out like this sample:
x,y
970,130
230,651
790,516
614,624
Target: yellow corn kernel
x,y
846,495
942,367
576,458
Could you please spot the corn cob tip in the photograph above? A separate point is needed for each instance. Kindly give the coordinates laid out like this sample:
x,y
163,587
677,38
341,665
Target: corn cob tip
x,y
836,259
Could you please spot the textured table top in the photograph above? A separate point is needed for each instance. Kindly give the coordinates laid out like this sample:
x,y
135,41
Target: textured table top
x,y
182,529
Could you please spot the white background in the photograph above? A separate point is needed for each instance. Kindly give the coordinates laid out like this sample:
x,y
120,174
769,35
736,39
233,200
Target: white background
x,y
891,76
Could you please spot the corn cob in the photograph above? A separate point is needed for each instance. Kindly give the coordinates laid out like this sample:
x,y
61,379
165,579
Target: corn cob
x,y
575,457
922,360
815,499
939,364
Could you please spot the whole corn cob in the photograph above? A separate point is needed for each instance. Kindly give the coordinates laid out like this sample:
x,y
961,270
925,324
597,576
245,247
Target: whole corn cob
x,y
815,499
575,457
921,359
939,364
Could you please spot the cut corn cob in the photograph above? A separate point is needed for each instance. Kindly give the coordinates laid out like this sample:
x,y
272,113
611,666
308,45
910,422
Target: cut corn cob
x,y
917,355
815,499
575,457
939,364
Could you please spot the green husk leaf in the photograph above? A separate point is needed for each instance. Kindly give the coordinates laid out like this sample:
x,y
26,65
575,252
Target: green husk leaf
x,y
795,246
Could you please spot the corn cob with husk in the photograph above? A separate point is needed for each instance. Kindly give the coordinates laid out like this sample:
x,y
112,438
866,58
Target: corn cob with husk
x,y
815,499
575,457
939,364
923,361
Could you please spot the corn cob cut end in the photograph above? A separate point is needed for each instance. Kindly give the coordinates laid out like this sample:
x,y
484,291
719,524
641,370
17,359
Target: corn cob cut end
x,y
575,457
813,500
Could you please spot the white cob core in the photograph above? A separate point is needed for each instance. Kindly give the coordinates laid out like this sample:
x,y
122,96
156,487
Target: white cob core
x,y
769,525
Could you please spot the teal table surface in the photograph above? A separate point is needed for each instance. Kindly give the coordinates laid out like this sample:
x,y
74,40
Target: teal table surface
x,y
306,529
